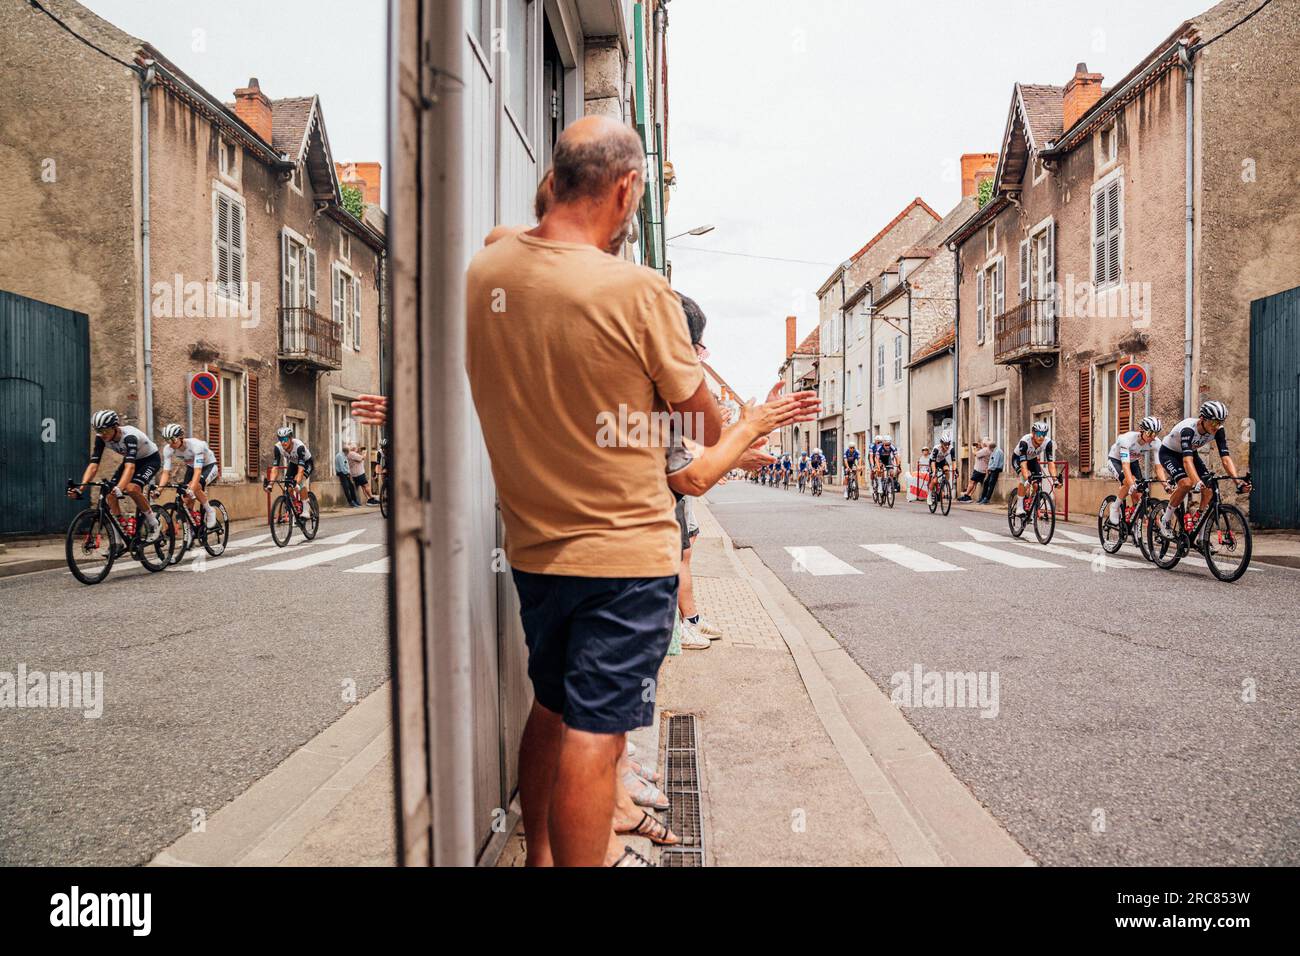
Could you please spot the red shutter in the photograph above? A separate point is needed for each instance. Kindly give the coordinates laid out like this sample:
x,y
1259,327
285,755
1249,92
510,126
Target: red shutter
x,y
253,455
1085,420
214,417
1124,402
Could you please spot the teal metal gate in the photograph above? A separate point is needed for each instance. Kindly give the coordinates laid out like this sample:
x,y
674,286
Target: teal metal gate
x,y
44,412
1275,406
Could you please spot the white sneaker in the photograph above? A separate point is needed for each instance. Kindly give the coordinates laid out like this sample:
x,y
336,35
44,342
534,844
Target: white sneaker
x,y
708,628
210,516
692,639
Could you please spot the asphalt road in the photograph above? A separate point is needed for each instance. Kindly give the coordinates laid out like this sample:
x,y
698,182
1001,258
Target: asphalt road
x,y
1120,736
211,679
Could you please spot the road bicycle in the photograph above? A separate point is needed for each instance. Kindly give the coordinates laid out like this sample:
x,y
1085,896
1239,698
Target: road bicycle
x,y
97,537
803,482
940,492
1132,521
852,478
1220,533
883,489
191,526
290,509
816,486
383,496
785,480
1040,505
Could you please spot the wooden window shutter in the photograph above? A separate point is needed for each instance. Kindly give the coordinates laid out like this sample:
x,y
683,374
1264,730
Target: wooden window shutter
x,y
214,417
286,286
254,411
311,278
1124,402
356,314
1024,271
1099,238
979,307
221,240
1050,278
1113,228
1085,420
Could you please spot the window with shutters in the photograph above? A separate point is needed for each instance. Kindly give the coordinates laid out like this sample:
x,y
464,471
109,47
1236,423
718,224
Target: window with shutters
x,y
295,179
228,243
345,304
880,365
1107,145
356,314
1085,420
297,272
252,431
1108,231
981,317
858,380
231,422
898,358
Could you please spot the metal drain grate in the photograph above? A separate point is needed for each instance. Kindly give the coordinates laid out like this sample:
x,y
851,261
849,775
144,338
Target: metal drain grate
x,y
681,765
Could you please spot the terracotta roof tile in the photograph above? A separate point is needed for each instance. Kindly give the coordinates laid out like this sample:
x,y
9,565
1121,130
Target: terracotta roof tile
x,y
810,345
1044,110
289,119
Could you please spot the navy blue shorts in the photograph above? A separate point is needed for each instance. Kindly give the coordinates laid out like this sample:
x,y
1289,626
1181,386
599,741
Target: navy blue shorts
x,y
595,646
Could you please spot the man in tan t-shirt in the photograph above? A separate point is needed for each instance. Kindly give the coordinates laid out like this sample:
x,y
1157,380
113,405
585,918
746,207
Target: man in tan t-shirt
x,y
572,354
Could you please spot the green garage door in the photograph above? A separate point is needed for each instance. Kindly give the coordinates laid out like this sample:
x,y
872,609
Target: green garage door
x,y
1275,406
44,412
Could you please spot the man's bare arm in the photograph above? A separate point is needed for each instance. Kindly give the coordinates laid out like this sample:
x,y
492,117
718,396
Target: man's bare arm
x,y
703,416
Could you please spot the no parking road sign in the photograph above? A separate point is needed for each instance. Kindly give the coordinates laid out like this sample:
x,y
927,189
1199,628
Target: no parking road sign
x,y
1132,377
204,385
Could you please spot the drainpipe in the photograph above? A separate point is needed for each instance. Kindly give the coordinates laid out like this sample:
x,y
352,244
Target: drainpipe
x,y
146,82
956,339
844,373
871,360
1185,57
909,371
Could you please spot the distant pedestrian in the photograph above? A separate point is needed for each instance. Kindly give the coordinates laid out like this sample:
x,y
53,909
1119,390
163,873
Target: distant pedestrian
x,y
345,478
979,468
357,468
996,460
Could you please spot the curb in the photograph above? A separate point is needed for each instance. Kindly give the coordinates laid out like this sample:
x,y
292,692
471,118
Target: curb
x,y
268,821
929,817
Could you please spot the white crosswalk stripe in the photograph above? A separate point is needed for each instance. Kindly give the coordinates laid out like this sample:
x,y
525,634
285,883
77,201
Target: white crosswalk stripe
x,y
257,539
1078,538
980,535
317,557
374,567
910,558
1100,557
994,554
819,562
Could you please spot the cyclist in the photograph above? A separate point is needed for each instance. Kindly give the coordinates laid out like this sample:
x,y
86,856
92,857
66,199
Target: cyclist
x,y
140,462
851,458
201,467
381,459
1125,466
786,467
817,462
1179,453
887,459
803,469
1033,450
941,457
291,455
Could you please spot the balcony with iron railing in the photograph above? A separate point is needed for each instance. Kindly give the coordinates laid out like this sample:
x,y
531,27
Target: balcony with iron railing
x,y
310,340
1027,332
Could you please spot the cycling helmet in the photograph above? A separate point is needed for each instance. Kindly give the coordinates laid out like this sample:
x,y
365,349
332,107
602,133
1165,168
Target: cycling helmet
x,y
107,418
283,432
173,431
383,443
1150,424
1040,428
945,438
886,439
850,445
1213,411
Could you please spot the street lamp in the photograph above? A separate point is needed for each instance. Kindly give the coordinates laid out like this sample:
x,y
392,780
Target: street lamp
x,y
697,231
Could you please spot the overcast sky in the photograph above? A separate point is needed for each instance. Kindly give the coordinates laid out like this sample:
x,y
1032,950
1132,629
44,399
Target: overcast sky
x,y
801,128
332,48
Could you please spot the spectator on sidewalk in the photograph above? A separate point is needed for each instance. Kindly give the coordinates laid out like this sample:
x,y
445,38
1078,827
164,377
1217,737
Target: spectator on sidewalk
x,y
980,453
584,338
357,469
996,461
345,478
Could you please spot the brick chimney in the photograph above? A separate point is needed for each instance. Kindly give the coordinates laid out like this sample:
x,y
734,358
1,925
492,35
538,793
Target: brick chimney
x,y
975,168
253,107
365,176
1081,92
791,337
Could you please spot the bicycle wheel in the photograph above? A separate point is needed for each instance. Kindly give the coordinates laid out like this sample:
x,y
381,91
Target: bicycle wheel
x,y
1016,522
281,521
945,496
89,546
1111,535
184,530
157,554
1227,544
1141,518
1044,518
1164,552
932,498
889,492
214,541
310,521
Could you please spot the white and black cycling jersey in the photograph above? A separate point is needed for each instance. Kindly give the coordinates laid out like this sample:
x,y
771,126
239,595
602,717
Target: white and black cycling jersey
x,y
193,451
1026,450
131,443
939,456
1129,446
297,454
1185,438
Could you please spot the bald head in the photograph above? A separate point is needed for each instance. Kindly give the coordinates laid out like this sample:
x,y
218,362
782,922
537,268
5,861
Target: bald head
x,y
592,156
